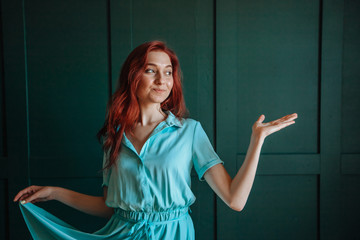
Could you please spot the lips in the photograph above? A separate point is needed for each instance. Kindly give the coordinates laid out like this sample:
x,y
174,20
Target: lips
x,y
159,90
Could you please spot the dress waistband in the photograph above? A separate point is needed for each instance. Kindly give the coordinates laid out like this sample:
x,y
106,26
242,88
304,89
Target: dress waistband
x,y
152,217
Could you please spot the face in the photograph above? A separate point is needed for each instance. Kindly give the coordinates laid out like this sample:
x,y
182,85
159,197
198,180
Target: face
x,y
157,79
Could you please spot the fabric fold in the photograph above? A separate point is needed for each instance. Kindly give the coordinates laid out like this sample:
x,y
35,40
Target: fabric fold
x,y
123,225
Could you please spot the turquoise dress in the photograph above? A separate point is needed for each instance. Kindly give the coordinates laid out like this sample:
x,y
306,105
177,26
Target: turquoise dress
x,y
150,191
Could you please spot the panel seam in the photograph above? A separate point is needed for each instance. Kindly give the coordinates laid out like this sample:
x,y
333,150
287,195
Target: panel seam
x,y
26,94
215,110
108,19
3,98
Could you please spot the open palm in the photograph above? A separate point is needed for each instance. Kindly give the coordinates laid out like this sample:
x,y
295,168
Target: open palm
x,y
263,130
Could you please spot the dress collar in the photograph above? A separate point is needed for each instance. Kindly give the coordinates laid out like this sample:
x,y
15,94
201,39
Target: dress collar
x,y
171,120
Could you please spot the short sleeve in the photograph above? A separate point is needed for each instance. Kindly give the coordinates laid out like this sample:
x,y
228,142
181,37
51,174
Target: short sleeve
x,y
106,172
203,154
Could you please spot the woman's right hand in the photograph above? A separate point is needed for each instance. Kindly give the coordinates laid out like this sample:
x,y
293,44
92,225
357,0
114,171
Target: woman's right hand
x,y
35,194
93,205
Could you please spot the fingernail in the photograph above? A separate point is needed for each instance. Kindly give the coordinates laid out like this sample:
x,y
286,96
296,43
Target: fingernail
x,y
22,201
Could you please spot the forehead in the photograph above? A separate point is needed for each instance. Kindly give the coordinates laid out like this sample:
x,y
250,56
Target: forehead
x,y
158,58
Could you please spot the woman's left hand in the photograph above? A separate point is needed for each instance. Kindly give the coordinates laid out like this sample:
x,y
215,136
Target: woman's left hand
x,y
262,130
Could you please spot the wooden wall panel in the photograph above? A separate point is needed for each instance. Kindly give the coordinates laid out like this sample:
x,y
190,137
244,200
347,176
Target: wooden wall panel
x,y
4,214
330,119
267,63
67,83
276,211
350,108
350,79
278,71
120,36
15,79
60,60
2,94
202,211
349,227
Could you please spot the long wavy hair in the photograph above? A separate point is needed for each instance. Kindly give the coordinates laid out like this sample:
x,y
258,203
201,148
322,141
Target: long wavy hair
x,y
123,112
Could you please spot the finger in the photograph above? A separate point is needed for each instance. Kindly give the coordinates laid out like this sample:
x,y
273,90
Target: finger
x,y
24,196
291,116
286,118
39,200
32,198
27,191
283,125
261,118
22,192
19,195
278,126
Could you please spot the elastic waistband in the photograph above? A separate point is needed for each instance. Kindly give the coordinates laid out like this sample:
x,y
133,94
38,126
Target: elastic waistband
x,y
153,217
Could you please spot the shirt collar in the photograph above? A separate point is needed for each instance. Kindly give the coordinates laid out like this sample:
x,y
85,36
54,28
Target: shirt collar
x,y
171,120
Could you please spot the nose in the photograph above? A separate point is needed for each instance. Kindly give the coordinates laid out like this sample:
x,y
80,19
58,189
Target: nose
x,y
160,78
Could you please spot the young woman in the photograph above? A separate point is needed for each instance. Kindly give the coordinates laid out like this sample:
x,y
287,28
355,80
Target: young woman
x,y
150,148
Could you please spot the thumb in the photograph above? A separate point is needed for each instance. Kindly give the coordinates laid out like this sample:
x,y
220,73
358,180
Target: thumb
x,y
261,118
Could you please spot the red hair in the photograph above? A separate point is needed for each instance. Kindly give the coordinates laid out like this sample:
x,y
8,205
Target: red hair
x,y
123,110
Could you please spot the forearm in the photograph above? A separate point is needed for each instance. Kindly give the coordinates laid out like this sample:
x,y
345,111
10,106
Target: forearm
x,y
241,184
92,205
235,192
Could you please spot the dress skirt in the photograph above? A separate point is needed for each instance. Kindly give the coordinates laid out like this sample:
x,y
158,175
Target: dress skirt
x,y
173,225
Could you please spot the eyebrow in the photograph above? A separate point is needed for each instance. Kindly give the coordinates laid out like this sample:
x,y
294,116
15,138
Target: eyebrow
x,y
153,64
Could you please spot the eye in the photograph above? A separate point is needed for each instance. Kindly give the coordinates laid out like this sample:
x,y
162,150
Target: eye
x,y
149,70
169,73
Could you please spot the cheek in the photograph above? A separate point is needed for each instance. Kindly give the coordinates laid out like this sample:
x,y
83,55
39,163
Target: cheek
x,y
141,89
170,84
144,84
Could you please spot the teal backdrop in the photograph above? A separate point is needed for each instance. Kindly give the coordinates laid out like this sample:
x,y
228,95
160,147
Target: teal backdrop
x,y
59,63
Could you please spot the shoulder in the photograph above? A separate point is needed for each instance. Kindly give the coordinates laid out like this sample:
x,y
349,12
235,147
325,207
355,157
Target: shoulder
x,y
181,123
189,123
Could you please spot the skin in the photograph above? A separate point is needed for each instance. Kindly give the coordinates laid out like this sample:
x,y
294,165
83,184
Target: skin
x,y
155,86
235,192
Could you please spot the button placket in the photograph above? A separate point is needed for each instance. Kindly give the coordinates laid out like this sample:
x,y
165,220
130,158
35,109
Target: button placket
x,y
145,187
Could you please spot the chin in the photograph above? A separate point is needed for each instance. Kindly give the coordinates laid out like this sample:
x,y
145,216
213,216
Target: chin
x,y
159,99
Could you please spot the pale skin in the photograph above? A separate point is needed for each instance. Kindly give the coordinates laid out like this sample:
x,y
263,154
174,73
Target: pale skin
x,y
155,87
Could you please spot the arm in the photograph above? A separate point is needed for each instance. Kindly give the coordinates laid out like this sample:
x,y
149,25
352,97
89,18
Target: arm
x,y
235,192
93,205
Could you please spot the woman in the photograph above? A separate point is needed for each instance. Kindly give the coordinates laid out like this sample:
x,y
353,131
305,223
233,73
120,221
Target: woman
x,y
149,151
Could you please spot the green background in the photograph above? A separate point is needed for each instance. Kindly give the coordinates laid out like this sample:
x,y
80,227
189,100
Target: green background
x,y
60,61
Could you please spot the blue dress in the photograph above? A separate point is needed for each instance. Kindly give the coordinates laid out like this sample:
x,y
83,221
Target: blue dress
x,y
150,191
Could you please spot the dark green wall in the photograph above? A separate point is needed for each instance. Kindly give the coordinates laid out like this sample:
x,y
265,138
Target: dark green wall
x,y
350,138
60,61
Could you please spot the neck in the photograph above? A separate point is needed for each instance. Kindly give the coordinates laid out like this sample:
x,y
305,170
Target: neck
x,y
150,114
